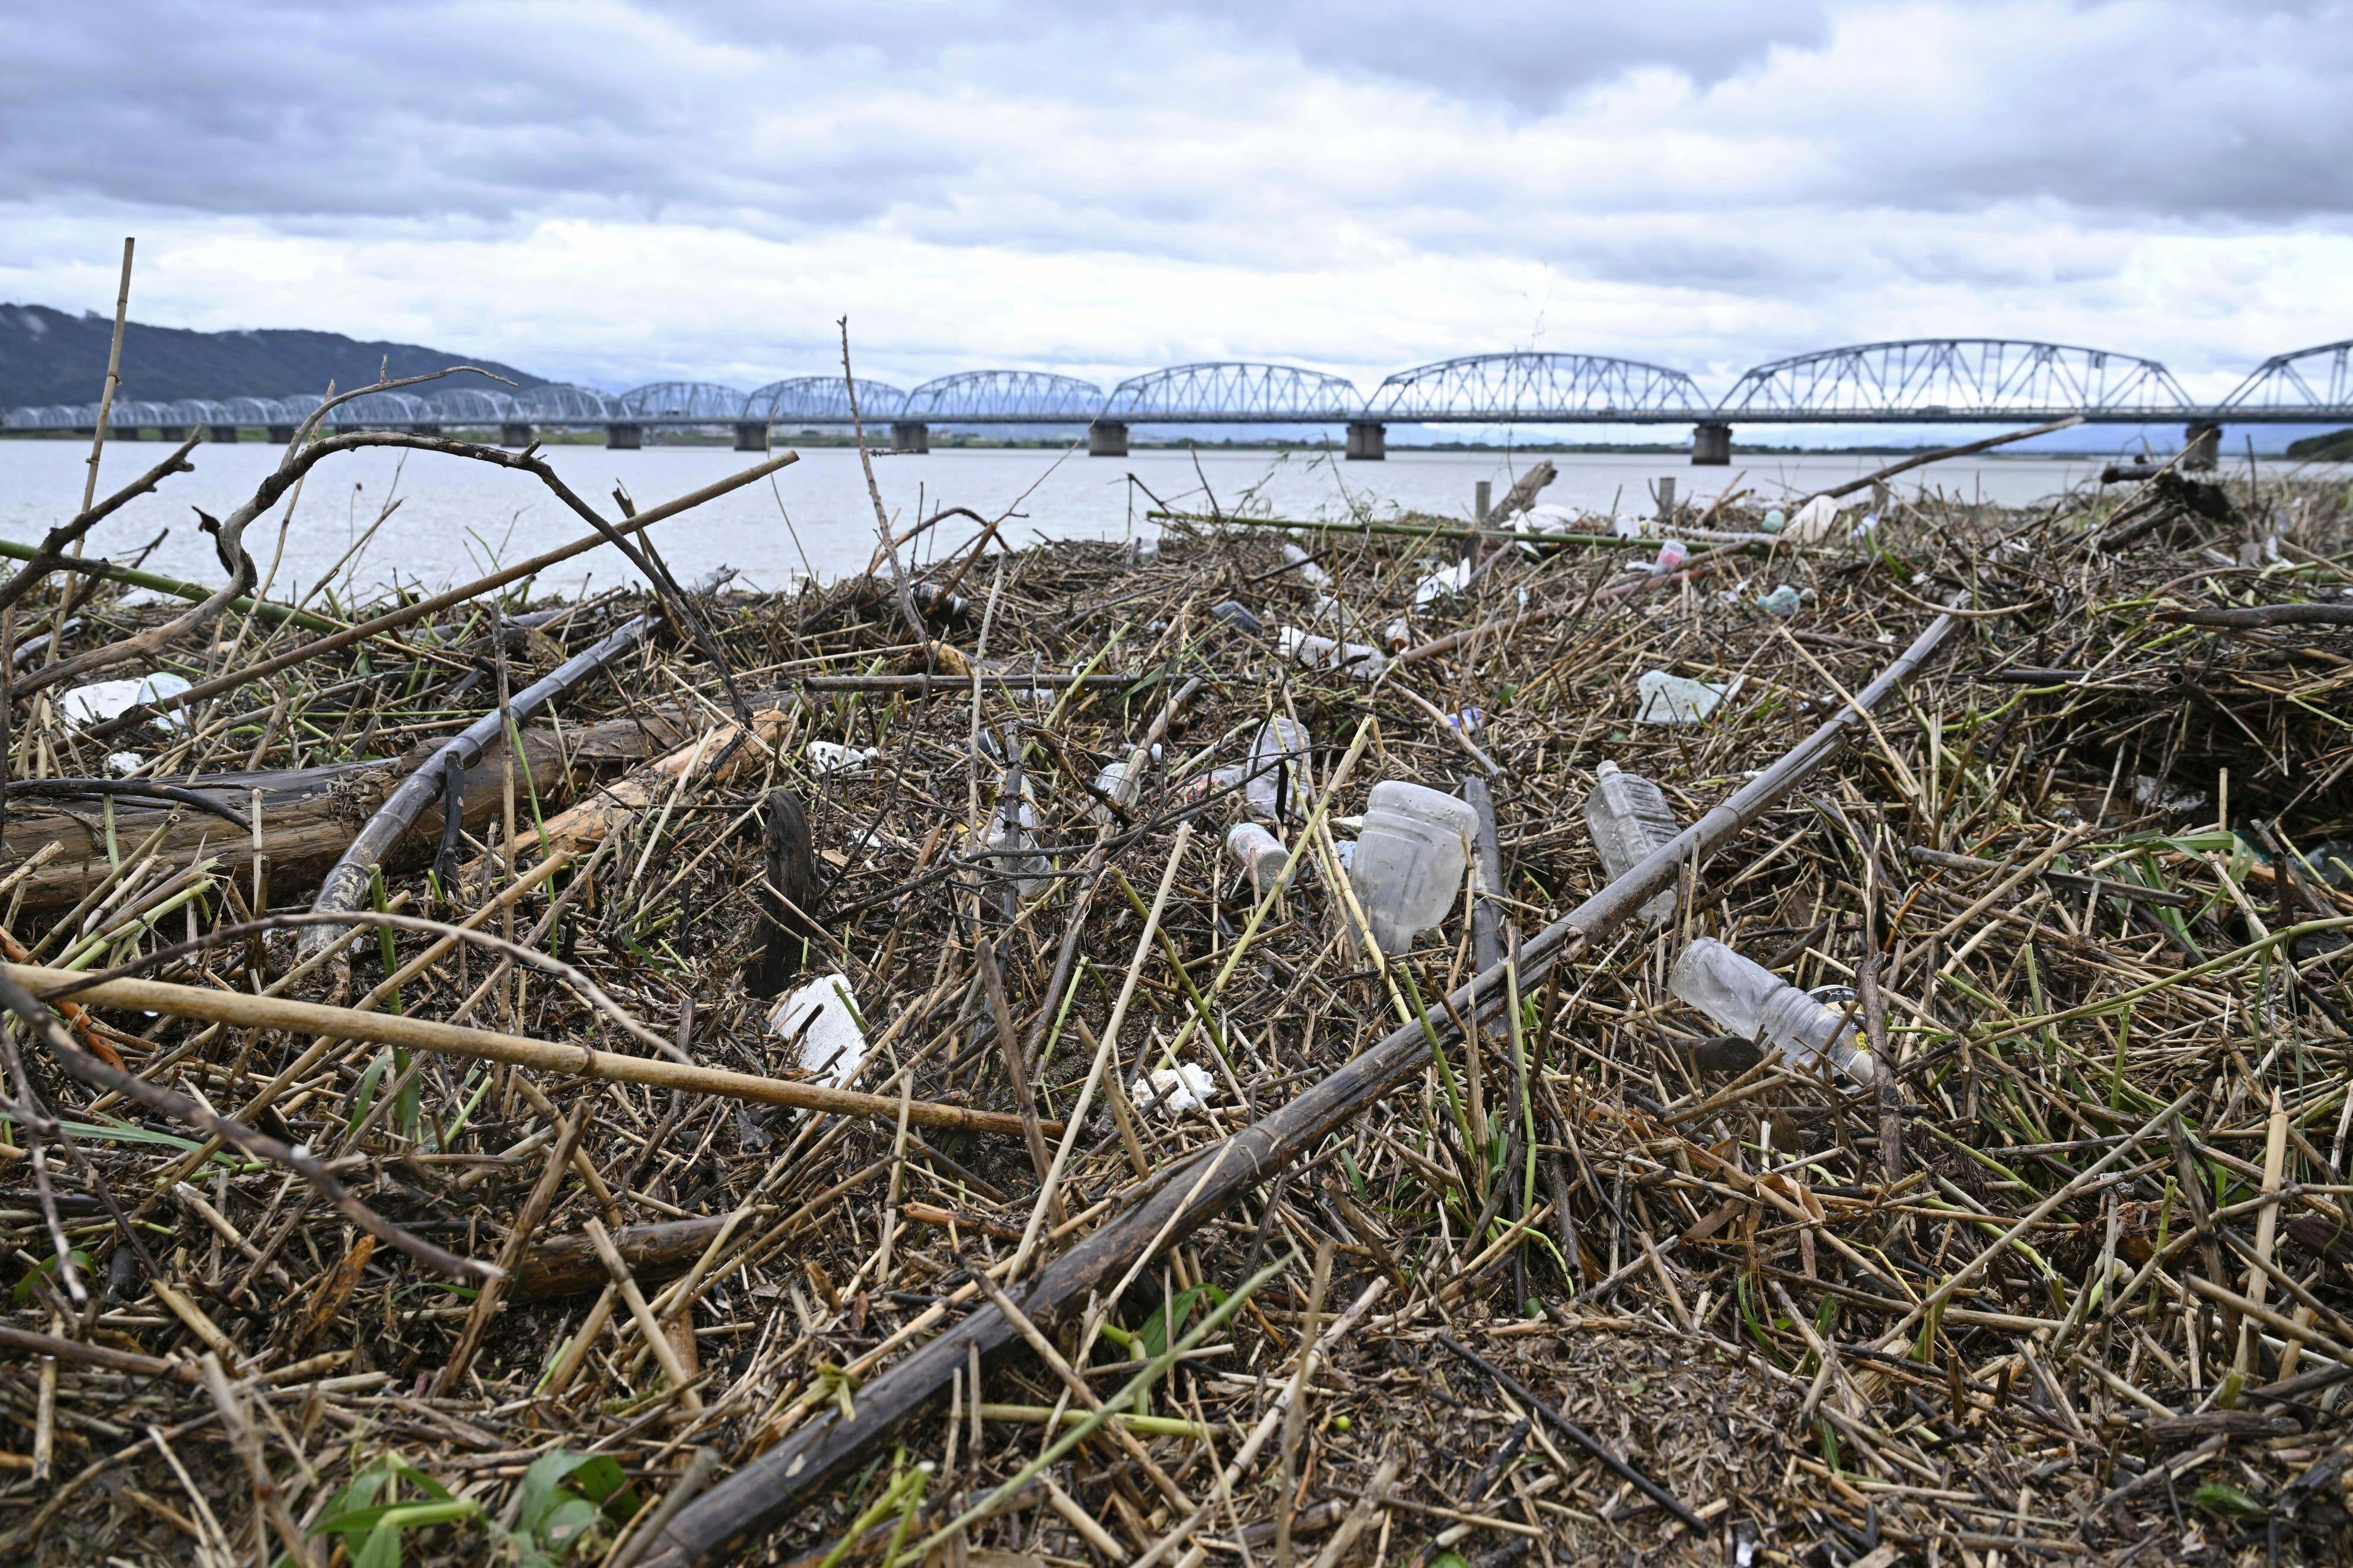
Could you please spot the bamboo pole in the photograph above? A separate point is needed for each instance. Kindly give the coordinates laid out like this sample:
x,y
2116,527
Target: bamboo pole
x,y
242,1011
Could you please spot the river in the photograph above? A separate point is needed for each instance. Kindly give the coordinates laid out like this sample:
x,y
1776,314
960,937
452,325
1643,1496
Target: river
x,y
456,519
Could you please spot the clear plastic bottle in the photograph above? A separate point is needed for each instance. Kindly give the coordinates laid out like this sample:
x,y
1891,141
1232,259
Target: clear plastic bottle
x,y
1013,841
1261,854
1409,862
1273,780
1745,998
1359,659
1628,818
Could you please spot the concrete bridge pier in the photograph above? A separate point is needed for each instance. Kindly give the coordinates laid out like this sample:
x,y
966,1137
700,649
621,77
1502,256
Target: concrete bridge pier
x,y
752,435
173,433
1106,439
424,429
911,438
1711,444
513,435
281,434
229,433
2202,445
624,438
1367,443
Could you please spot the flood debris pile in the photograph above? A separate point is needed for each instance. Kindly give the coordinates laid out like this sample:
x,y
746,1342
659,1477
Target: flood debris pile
x,y
1218,1053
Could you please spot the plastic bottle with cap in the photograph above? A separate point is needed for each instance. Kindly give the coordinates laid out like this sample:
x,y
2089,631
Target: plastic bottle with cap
x,y
1261,854
1409,862
1274,782
1628,818
1745,998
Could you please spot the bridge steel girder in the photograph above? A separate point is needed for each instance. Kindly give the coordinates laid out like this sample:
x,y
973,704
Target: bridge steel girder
x,y
680,402
1235,392
1536,389
2314,382
558,403
823,400
1964,380
1003,397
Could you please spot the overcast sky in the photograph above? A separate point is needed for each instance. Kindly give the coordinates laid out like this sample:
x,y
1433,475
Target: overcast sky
x,y
618,193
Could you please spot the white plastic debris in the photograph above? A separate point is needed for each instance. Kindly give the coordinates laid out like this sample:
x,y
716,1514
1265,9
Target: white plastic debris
x,y
1784,601
1359,659
822,1016
833,757
1676,699
1672,554
1471,720
1549,518
1261,854
1773,521
2153,794
1813,522
1013,839
103,700
1309,572
1444,583
1173,1092
122,764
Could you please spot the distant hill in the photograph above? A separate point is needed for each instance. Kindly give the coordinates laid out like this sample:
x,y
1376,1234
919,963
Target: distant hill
x,y
2334,448
48,356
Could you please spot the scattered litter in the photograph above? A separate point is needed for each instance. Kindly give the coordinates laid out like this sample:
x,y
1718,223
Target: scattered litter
x,y
1311,574
102,699
1772,521
1261,854
822,1015
2153,794
1814,521
1672,554
1442,584
1274,782
1628,818
1013,844
1677,698
1237,614
1364,662
1173,1092
1744,998
1471,720
1408,868
122,764
833,757
1783,601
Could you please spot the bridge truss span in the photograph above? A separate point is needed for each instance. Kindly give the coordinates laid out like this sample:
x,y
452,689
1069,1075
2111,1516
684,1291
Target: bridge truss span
x,y
1999,380
822,400
1003,397
1535,389
2304,384
1228,392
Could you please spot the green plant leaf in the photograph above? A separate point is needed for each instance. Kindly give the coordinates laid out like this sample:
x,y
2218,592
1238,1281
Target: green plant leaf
x,y
364,1095
2223,1498
45,1268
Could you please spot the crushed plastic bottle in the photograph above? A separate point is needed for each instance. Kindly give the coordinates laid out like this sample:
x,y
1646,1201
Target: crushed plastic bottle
x,y
1309,572
1773,521
1744,998
1108,782
1261,854
1364,662
1784,601
1274,781
822,1017
1409,858
1469,721
1628,818
1676,699
1200,785
102,699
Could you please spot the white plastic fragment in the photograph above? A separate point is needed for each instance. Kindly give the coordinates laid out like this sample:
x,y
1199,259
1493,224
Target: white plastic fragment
x,y
1813,522
122,764
821,1016
1364,662
1173,1092
1309,572
102,699
833,757
1676,699
1444,583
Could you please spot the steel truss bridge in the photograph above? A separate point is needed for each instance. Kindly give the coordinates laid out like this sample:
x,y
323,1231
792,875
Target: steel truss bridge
x,y
1911,381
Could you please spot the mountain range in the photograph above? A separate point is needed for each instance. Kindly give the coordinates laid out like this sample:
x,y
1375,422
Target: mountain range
x,y
48,356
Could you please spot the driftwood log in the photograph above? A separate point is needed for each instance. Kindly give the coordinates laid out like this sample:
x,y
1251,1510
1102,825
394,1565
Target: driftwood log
x,y
308,814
